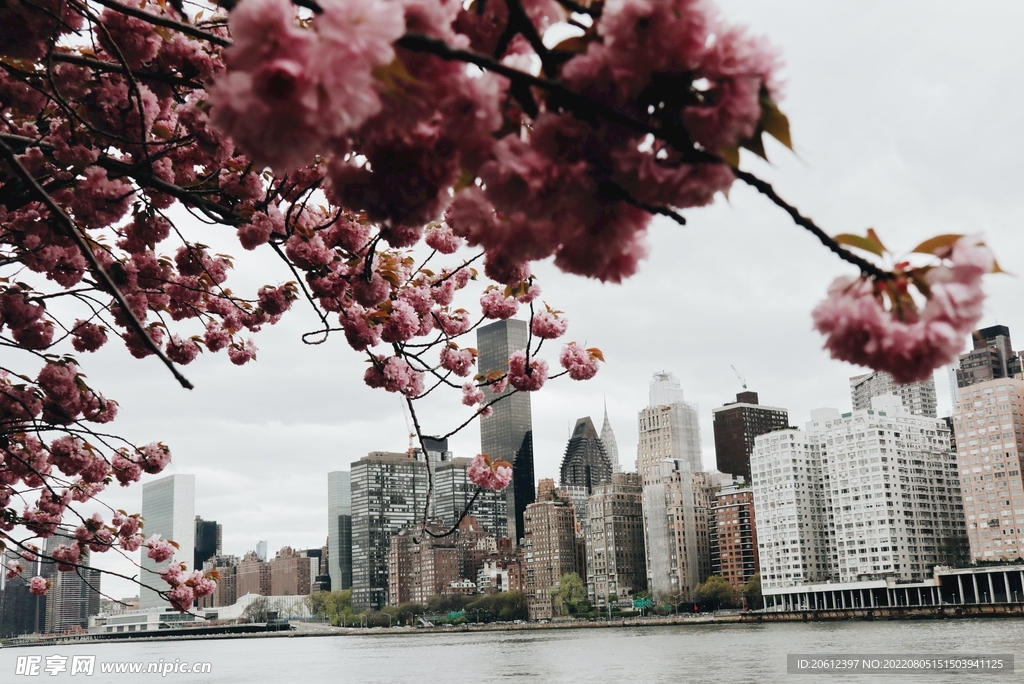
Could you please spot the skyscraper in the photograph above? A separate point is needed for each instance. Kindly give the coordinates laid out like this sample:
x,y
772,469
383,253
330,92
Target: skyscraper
x,y
453,491
585,464
989,425
507,434
616,563
900,523
669,428
611,447
339,529
209,535
992,357
389,493
551,551
875,492
736,425
169,509
788,483
918,397
74,596
734,535
676,508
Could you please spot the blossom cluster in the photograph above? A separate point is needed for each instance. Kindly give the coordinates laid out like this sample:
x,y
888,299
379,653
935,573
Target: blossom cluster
x,y
402,131
902,339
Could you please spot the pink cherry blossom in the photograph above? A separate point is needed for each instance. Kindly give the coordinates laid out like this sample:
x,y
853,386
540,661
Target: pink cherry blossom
x,y
526,378
395,375
159,549
175,573
488,474
155,457
578,361
14,568
498,385
908,344
471,394
241,354
548,326
458,361
39,586
440,237
494,304
67,557
88,336
181,598
401,325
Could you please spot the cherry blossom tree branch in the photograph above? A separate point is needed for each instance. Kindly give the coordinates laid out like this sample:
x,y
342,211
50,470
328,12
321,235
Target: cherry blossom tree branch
x,y
765,188
587,108
83,246
166,22
101,65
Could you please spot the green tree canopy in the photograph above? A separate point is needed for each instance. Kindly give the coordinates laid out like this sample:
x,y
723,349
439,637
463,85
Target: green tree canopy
x,y
752,592
570,596
715,593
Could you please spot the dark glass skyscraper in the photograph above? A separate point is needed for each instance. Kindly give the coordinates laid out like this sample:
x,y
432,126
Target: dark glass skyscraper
x,y
586,463
736,426
208,541
507,434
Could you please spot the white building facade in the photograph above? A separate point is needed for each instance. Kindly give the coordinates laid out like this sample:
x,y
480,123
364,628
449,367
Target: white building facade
x,y
791,511
169,509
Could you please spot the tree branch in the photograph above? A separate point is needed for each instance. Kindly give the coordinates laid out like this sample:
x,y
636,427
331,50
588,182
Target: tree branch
x,y
166,22
83,246
765,188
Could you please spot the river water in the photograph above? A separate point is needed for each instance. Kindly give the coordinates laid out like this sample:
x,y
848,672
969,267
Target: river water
x,y
722,654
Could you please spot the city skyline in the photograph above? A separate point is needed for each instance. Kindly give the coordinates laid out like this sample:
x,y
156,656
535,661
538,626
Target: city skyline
x,y
551,462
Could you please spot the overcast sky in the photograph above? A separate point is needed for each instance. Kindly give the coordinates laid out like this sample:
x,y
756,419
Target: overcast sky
x,y
906,117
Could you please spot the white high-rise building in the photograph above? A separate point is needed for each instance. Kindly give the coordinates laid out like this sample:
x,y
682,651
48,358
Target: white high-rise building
x,y
794,536
895,491
918,397
886,482
339,529
169,509
669,428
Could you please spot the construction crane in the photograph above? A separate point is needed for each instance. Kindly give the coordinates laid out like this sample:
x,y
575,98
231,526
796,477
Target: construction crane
x,y
742,379
408,426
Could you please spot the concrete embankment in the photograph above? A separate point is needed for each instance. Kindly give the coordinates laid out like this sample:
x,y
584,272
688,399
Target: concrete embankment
x,y
303,629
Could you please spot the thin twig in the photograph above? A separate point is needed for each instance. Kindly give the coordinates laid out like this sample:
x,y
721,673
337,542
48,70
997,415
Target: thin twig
x,y
765,188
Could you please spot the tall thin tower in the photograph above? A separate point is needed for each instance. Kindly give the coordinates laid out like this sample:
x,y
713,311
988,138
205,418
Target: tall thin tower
x,y
507,434
668,428
339,529
169,509
611,447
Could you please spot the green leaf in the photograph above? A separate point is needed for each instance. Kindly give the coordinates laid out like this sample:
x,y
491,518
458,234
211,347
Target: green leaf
x,y
860,242
939,243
